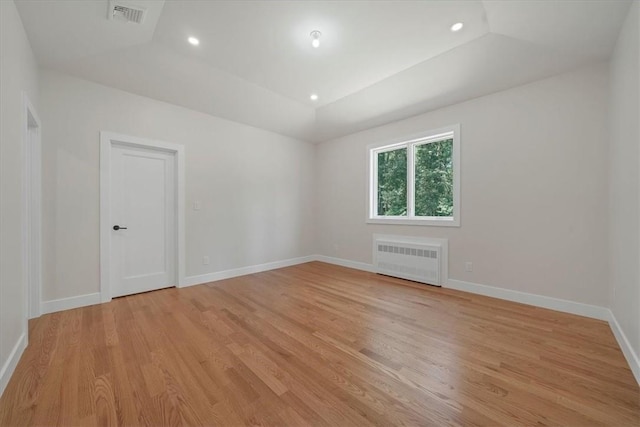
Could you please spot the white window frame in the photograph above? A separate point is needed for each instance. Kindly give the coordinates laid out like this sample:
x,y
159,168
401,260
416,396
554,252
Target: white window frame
x,y
410,142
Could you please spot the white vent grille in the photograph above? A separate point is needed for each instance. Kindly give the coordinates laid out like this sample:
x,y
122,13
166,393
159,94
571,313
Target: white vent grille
x,y
412,260
126,13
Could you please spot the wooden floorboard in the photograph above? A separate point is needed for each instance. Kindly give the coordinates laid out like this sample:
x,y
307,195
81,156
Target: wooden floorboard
x,y
317,344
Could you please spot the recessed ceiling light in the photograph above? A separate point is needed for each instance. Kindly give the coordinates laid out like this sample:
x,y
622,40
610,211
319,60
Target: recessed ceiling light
x,y
457,26
194,41
315,38
314,97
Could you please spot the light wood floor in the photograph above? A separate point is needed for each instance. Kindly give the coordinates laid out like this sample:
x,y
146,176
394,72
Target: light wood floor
x,y
317,344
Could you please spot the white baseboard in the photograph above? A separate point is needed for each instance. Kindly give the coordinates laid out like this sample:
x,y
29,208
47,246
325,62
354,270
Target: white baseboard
x,y
587,310
91,299
228,274
69,303
632,358
345,263
12,361
566,306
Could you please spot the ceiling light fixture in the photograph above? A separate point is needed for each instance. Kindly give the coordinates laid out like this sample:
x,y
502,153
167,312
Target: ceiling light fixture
x,y
315,38
194,41
457,26
313,97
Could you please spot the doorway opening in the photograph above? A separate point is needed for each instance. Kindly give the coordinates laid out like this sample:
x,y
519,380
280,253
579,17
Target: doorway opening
x,y
32,207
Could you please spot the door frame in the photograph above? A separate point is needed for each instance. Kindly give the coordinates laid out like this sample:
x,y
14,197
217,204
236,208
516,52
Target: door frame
x,y
31,207
107,141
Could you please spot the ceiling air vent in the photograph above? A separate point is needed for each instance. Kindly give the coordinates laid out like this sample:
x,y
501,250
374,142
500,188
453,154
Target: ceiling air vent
x,y
125,12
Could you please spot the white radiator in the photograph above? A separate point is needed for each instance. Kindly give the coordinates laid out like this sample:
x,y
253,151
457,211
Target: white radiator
x,y
418,259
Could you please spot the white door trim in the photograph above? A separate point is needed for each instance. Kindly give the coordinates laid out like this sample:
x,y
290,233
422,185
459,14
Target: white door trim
x,y
32,208
107,139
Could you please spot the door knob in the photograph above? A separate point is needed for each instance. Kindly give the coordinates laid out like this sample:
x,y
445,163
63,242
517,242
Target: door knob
x,y
117,227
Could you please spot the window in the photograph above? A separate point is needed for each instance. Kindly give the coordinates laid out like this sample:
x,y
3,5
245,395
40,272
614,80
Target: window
x,y
416,180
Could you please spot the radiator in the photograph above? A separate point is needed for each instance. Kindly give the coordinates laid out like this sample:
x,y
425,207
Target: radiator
x,y
418,259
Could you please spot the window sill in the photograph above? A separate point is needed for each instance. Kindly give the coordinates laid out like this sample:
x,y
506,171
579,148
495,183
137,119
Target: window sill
x,y
431,222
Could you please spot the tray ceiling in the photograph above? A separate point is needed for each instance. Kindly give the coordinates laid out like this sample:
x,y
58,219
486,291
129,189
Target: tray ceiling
x,y
378,61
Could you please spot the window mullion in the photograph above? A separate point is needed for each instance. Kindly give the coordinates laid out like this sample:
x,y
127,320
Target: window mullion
x,y
410,182
373,164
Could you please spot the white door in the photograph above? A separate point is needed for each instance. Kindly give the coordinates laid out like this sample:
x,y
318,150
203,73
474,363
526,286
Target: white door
x,y
143,216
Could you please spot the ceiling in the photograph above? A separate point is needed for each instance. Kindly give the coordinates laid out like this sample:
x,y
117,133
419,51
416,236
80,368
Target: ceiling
x,y
379,61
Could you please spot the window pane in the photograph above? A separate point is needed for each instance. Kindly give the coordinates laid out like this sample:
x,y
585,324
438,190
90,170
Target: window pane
x,y
434,179
392,183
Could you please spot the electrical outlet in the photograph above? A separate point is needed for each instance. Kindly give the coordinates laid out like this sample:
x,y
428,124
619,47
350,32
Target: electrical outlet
x,y
205,260
468,266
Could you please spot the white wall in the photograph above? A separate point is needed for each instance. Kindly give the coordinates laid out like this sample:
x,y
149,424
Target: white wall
x,y
256,187
533,188
18,72
624,194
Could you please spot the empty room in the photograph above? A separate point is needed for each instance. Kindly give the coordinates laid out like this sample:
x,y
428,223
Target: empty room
x,y
320,213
